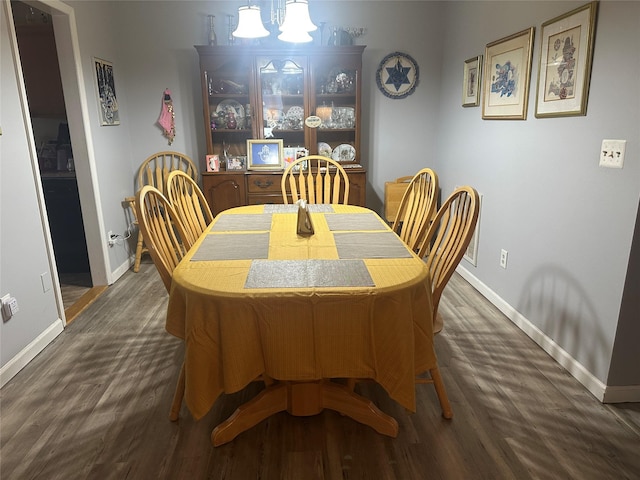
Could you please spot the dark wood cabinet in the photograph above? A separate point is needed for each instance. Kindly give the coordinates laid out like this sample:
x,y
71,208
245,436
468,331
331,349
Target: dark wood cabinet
x,y
308,96
230,189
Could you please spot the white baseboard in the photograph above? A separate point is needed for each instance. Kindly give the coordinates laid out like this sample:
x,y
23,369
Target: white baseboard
x,y
28,353
604,393
121,270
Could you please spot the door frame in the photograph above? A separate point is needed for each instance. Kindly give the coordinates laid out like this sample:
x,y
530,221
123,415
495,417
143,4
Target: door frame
x,y
75,98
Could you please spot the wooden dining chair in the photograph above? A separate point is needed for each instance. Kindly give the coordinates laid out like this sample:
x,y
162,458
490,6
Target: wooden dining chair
x,y
417,208
445,243
185,196
316,179
154,171
167,241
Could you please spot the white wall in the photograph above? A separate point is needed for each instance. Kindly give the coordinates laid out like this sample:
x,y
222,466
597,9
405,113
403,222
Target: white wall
x,y
545,199
23,250
566,223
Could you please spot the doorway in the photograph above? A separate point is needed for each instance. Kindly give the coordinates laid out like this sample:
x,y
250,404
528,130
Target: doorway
x,y
77,270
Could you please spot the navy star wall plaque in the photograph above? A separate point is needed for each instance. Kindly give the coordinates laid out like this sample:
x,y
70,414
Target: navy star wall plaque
x,y
397,75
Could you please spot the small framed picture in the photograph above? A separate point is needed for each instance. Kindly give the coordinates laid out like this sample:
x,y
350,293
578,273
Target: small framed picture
x,y
265,154
471,82
289,155
106,92
213,163
238,162
565,63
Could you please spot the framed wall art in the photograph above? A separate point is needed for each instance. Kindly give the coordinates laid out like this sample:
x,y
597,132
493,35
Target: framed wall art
x,y
507,71
265,154
565,63
471,82
106,92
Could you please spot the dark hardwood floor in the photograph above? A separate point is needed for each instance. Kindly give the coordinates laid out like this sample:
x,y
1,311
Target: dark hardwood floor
x,y
94,404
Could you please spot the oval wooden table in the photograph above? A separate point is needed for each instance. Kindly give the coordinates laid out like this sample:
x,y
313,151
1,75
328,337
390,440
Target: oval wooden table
x,y
254,299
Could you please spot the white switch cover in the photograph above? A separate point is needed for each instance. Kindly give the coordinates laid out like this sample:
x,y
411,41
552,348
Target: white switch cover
x,y
612,153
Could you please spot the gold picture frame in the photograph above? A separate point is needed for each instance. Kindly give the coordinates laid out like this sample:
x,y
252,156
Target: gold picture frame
x,y
472,74
507,74
265,154
566,54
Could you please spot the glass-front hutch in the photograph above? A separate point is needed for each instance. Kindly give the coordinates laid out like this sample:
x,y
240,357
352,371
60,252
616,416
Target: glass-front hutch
x,y
307,96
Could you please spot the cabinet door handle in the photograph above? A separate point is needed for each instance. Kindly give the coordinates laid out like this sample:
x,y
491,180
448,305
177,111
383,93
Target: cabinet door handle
x,y
260,184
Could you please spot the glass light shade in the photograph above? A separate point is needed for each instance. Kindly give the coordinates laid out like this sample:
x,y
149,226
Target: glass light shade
x,y
295,36
296,17
250,23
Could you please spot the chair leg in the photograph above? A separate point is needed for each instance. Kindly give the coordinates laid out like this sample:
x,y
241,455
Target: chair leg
x,y
177,397
136,265
441,392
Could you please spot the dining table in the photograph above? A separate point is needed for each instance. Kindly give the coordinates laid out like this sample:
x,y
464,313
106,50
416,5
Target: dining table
x,y
307,314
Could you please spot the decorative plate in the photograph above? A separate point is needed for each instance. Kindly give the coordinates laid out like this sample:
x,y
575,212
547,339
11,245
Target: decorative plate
x,y
231,106
295,113
344,153
397,75
324,149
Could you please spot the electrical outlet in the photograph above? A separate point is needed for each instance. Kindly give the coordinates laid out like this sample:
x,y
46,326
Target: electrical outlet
x,y
9,306
612,153
111,238
503,258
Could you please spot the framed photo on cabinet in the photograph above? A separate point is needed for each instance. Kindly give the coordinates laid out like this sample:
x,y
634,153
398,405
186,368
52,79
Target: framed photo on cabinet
x,y
471,82
507,71
213,163
566,54
265,154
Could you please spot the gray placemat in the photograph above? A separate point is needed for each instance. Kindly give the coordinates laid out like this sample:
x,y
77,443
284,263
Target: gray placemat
x,y
308,273
354,221
243,222
370,245
319,208
233,246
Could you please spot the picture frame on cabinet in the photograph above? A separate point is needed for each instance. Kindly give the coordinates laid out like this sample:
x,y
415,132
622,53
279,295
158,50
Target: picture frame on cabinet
x,y
265,154
566,54
106,92
507,73
238,162
472,73
213,163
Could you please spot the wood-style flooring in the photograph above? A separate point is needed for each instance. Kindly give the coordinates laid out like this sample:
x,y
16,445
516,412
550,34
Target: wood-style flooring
x,y
94,405
77,293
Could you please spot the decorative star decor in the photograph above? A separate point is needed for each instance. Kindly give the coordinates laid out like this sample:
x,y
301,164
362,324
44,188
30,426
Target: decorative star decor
x,y
397,75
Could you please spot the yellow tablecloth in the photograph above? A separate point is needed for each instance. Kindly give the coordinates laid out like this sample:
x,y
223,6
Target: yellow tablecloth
x,y
233,334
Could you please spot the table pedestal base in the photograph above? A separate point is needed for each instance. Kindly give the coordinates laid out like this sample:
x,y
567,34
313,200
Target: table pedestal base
x,y
303,399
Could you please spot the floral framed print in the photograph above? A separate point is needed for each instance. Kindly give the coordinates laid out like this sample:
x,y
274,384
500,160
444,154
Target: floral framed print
x,y
265,154
106,93
471,82
507,71
566,54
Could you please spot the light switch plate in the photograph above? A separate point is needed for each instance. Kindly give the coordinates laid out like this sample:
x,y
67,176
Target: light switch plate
x,y
612,153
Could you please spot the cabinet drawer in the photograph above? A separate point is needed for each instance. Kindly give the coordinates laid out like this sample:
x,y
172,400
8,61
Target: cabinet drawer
x,y
264,184
263,199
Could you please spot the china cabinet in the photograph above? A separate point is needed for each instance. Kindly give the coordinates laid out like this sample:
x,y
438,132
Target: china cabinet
x,y
308,96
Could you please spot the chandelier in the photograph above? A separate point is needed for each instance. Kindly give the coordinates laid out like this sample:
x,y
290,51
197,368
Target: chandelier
x,y
292,18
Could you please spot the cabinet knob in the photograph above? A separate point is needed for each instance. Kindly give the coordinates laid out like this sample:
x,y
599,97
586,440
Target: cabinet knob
x,y
260,184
